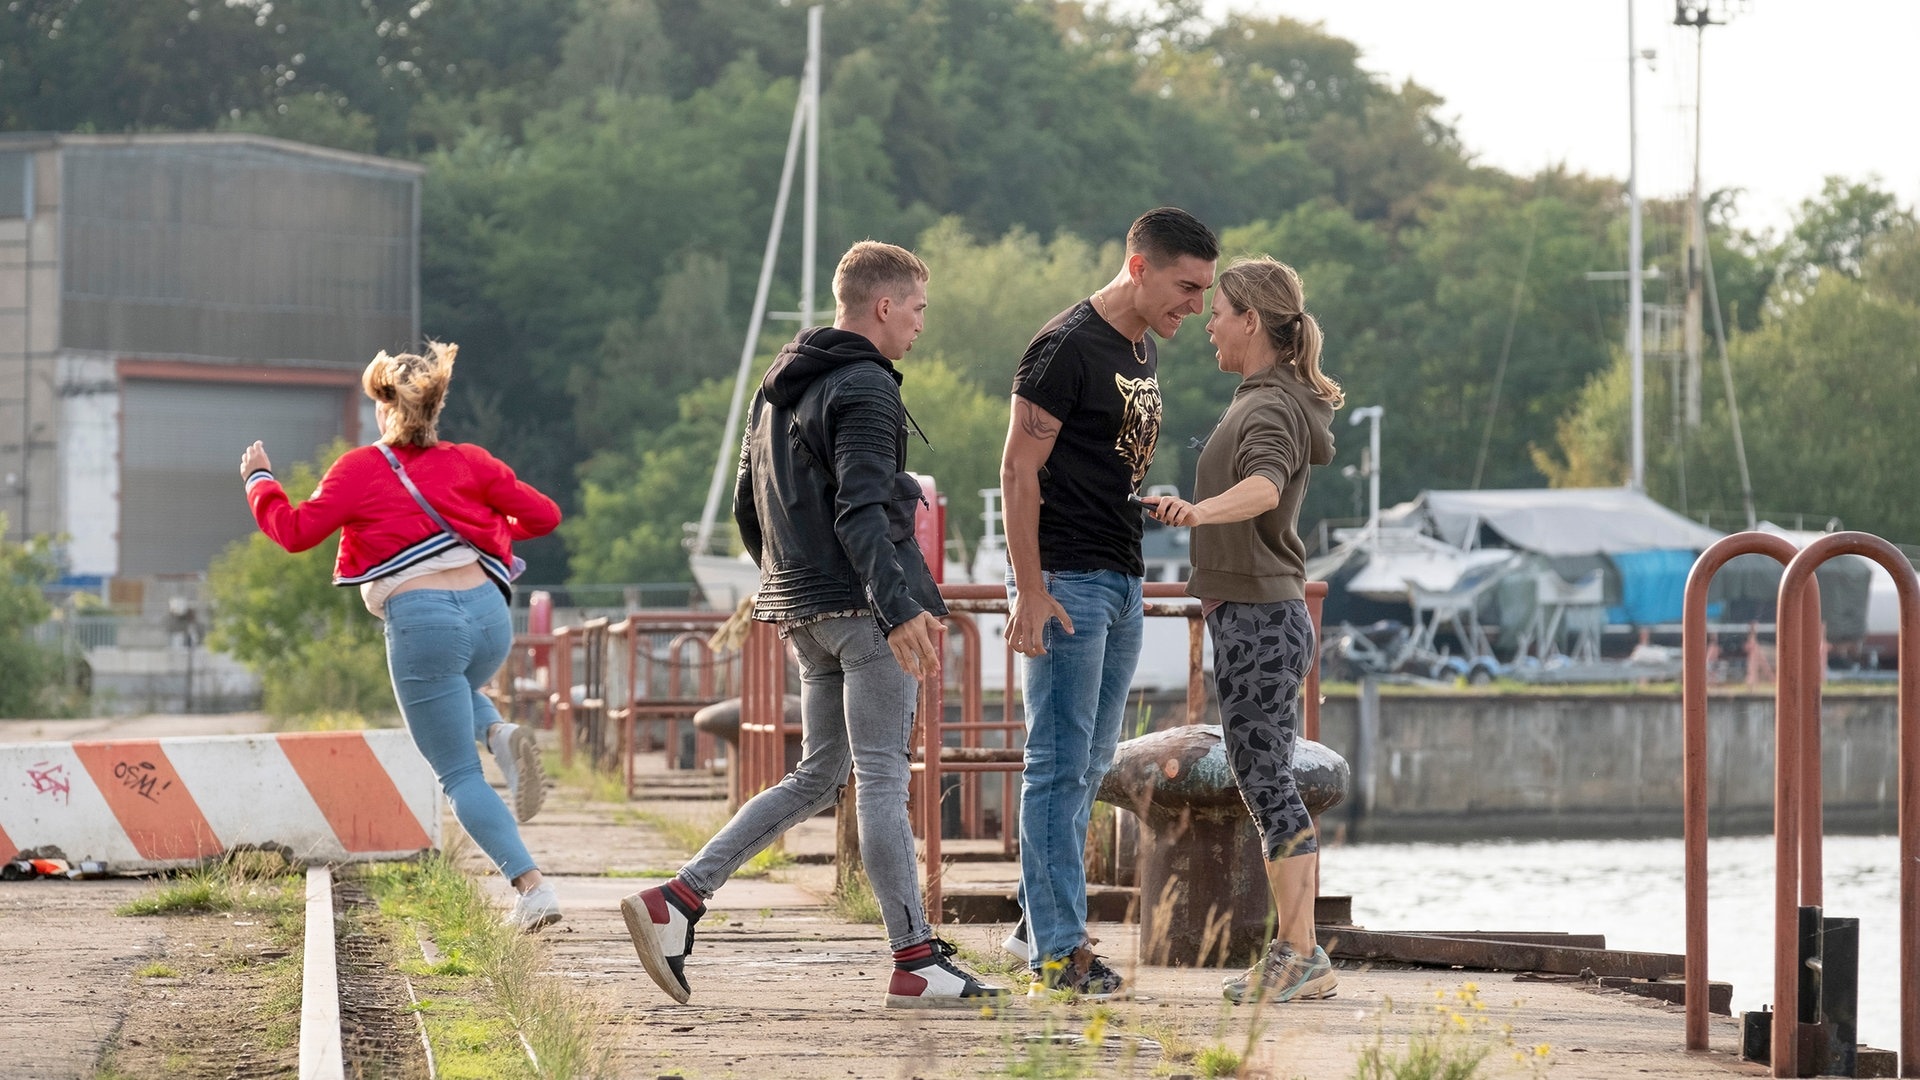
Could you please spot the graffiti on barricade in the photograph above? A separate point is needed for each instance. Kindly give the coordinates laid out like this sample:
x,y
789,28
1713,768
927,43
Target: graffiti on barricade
x,y
49,778
141,778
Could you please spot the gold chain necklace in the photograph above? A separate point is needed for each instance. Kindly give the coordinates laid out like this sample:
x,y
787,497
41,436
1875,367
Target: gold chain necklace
x,y
1139,347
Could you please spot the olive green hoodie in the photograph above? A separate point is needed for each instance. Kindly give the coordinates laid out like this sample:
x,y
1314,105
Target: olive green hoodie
x,y
1276,427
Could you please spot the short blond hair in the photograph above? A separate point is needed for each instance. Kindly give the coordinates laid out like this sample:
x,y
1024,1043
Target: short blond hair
x,y
871,269
414,390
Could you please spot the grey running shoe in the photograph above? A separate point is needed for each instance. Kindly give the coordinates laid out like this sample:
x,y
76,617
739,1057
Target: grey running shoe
x,y
1083,975
518,756
1283,975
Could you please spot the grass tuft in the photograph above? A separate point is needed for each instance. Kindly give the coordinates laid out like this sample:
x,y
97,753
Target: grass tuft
x,y
854,901
260,881
1457,1038
594,785
490,989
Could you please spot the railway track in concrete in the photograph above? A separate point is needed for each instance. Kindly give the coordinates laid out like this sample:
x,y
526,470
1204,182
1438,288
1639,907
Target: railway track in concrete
x,y
357,1008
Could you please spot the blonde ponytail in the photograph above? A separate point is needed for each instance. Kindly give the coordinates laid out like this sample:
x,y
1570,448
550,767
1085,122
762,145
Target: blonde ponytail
x,y
1272,290
414,390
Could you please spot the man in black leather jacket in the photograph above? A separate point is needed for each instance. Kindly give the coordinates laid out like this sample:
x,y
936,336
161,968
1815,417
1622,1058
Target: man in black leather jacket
x,y
825,507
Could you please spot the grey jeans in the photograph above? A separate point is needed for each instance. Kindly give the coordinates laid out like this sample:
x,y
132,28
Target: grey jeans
x,y
856,710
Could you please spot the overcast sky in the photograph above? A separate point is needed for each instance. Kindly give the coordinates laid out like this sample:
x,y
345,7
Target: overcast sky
x,y
1795,90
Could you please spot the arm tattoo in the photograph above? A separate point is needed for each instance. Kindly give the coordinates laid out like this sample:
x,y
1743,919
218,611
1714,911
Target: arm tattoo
x,y
1035,422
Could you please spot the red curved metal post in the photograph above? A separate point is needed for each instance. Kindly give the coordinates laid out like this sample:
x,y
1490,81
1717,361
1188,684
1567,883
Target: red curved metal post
x,y
1785,991
1693,710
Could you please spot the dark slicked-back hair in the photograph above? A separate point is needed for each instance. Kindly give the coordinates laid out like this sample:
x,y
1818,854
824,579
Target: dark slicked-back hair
x,y
1169,233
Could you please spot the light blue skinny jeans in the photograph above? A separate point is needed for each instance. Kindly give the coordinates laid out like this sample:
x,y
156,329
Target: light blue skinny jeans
x,y
442,647
856,711
1076,696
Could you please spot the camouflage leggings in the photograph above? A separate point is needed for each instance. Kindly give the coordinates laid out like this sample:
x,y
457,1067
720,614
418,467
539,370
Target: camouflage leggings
x,y
1261,655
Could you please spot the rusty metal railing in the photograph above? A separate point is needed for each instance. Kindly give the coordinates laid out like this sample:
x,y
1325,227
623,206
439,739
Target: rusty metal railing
x,y
1693,722
763,715
1797,781
1165,600
1797,686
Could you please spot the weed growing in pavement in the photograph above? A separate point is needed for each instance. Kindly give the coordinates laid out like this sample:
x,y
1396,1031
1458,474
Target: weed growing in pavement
x,y
690,834
642,872
1459,1040
854,902
255,881
489,1004
593,784
1067,1045
156,970
1001,964
1217,1061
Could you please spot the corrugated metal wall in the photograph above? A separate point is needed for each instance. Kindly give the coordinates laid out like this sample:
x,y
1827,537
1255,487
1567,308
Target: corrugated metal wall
x,y
234,251
181,502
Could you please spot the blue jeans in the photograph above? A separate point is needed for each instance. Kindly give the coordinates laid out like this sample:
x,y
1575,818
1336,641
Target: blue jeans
x,y
1076,696
442,647
856,710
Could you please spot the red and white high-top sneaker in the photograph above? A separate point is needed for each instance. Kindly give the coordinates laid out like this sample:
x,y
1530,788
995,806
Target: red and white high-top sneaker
x,y
660,921
925,977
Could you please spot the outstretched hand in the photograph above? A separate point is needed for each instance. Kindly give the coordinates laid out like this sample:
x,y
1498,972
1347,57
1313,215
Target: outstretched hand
x,y
254,459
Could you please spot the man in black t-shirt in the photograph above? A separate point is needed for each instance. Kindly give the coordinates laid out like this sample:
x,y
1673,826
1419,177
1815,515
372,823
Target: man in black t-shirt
x,y
1086,414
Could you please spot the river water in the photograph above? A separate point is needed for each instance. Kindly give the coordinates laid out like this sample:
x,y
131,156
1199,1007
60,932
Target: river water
x,y
1631,891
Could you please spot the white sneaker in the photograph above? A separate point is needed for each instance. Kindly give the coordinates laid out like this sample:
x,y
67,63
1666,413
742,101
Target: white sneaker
x,y
534,909
1016,942
518,755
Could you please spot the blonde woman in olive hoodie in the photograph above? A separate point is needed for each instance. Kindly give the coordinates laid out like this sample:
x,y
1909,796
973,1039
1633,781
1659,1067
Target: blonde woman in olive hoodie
x,y
1249,572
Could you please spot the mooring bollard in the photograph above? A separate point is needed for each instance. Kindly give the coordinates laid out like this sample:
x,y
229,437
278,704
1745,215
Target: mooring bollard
x,y
1204,898
721,720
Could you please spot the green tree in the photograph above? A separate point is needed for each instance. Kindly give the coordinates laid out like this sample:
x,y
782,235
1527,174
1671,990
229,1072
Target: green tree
x,y
30,673
635,502
1837,229
312,643
1815,383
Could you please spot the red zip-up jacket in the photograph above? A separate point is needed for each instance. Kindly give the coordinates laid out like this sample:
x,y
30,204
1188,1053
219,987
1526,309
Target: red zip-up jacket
x,y
384,530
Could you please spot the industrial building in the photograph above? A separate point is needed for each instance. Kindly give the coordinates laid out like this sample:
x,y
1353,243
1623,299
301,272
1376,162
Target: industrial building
x,y
166,299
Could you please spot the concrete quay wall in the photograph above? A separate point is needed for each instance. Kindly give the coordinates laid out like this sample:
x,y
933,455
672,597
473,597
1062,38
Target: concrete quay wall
x,y
1473,767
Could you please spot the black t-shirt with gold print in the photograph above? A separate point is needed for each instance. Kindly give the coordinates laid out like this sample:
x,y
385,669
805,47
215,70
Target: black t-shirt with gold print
x,y
1094,381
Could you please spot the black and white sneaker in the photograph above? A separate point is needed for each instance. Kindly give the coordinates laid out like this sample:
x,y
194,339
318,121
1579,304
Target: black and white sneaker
x,y
660,921
1016,942
925,977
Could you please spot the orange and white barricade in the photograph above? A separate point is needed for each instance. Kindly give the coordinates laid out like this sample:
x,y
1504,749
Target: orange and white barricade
x,y
145,804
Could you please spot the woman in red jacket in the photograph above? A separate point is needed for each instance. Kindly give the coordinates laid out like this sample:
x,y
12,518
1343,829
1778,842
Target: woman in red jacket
x,y
426,533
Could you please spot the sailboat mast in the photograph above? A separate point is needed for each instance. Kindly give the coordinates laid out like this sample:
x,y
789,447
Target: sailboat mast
x,y
810,204
802,109
1636,314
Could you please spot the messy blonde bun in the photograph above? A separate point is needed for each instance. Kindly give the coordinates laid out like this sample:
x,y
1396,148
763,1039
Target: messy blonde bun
x,y
414,389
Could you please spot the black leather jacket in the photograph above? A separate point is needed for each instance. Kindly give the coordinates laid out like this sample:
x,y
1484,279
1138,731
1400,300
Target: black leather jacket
x,y
824,504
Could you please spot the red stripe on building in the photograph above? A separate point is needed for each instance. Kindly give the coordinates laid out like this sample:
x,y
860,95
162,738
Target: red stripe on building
x,y
148,798
8,849
354,791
